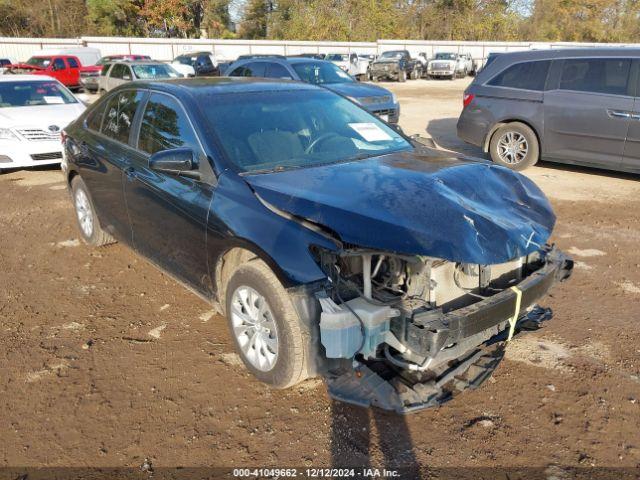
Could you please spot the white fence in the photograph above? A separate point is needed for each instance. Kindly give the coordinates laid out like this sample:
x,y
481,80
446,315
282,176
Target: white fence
x,y
168,48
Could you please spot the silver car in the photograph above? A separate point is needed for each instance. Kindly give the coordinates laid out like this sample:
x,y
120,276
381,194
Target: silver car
x,y
576,106
117,73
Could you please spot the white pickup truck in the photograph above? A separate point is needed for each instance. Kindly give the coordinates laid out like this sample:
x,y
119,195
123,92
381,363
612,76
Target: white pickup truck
x,y
350,63
448,65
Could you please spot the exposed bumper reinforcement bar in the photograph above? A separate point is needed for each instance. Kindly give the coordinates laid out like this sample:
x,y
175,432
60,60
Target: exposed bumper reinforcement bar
x,y
481,334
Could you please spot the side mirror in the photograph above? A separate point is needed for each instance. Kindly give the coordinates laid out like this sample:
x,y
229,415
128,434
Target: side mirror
x,y
176,161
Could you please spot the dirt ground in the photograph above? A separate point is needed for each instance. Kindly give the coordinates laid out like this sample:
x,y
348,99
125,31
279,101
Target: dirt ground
x,y
104,361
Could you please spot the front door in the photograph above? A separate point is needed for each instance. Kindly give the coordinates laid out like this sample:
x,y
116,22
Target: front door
x,y
169,212
588,114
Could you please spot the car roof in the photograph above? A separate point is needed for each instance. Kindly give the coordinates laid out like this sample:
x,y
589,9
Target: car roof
x,y
190,54
221,85
139,61
570,52
25,78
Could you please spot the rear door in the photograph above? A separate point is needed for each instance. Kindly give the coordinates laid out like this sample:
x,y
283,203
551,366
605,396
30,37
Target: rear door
x,y
631,158
74,70
109,129
169,212
588,111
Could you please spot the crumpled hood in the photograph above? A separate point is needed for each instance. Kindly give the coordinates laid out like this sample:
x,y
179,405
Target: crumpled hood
x,y
40,116
357,89
464,211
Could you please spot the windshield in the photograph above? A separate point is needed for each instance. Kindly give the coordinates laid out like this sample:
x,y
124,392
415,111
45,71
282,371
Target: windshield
x,y
186,59
28,94
391,55
336,57
42,62
445,56
270,131
154,71
321,73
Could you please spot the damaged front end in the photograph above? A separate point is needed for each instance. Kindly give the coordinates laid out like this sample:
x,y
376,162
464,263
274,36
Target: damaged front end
x,y
408,332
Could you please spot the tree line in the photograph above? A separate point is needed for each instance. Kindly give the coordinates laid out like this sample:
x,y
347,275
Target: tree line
x,y
339,20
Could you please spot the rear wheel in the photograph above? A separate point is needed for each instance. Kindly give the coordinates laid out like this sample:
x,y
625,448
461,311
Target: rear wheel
x,y
514,146
265,327
90,229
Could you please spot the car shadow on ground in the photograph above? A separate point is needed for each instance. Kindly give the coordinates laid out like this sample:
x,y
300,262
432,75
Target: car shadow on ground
x,y
352,440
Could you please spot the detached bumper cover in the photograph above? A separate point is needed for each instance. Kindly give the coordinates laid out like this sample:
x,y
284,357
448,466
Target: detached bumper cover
x,y
478,334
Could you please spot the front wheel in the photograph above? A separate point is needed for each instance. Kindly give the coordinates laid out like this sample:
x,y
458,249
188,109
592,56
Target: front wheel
x,y
265,327
402,76
514,146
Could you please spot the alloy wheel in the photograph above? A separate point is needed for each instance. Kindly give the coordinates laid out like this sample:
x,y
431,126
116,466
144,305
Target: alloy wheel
x,y
512,148
84,213
254,328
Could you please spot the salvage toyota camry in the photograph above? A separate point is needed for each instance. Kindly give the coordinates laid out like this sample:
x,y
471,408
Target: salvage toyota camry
x,y
333,244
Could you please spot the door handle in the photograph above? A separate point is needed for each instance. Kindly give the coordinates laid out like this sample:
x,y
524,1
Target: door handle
x,y
618,114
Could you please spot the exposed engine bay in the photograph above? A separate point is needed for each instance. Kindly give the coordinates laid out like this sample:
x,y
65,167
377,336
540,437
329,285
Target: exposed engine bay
x,y
406,320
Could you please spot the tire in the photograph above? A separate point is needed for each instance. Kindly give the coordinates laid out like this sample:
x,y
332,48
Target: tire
x,y
288,364
515,160
402,76
374,79
88,223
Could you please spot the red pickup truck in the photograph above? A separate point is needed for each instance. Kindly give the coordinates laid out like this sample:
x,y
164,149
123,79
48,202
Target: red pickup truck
x,y
67,69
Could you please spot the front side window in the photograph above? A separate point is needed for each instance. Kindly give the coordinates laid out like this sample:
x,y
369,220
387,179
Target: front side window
x,y
275,70
58,64
117,71
267,131
321,73
33,93
121,109
525,76
596,75
165,126
337,57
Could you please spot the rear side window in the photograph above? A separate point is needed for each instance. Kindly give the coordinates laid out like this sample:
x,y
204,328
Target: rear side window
x,y
597,75
94,119
121,109
275,70
254,69
524,76
72,62
165,126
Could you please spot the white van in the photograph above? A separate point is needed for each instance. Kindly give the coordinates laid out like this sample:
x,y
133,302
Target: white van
x,y
87,55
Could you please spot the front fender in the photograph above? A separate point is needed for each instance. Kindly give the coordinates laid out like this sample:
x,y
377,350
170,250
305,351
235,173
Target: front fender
x,y
238,218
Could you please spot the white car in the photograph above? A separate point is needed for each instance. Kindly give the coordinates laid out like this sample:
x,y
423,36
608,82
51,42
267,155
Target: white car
x,y
33,111
348,62
115,74
448,65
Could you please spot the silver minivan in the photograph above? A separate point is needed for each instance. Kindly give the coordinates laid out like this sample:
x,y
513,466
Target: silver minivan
x,y
577,106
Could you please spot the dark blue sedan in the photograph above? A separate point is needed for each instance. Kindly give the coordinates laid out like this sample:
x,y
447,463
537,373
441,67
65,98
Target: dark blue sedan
x,y
377,100
333,244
